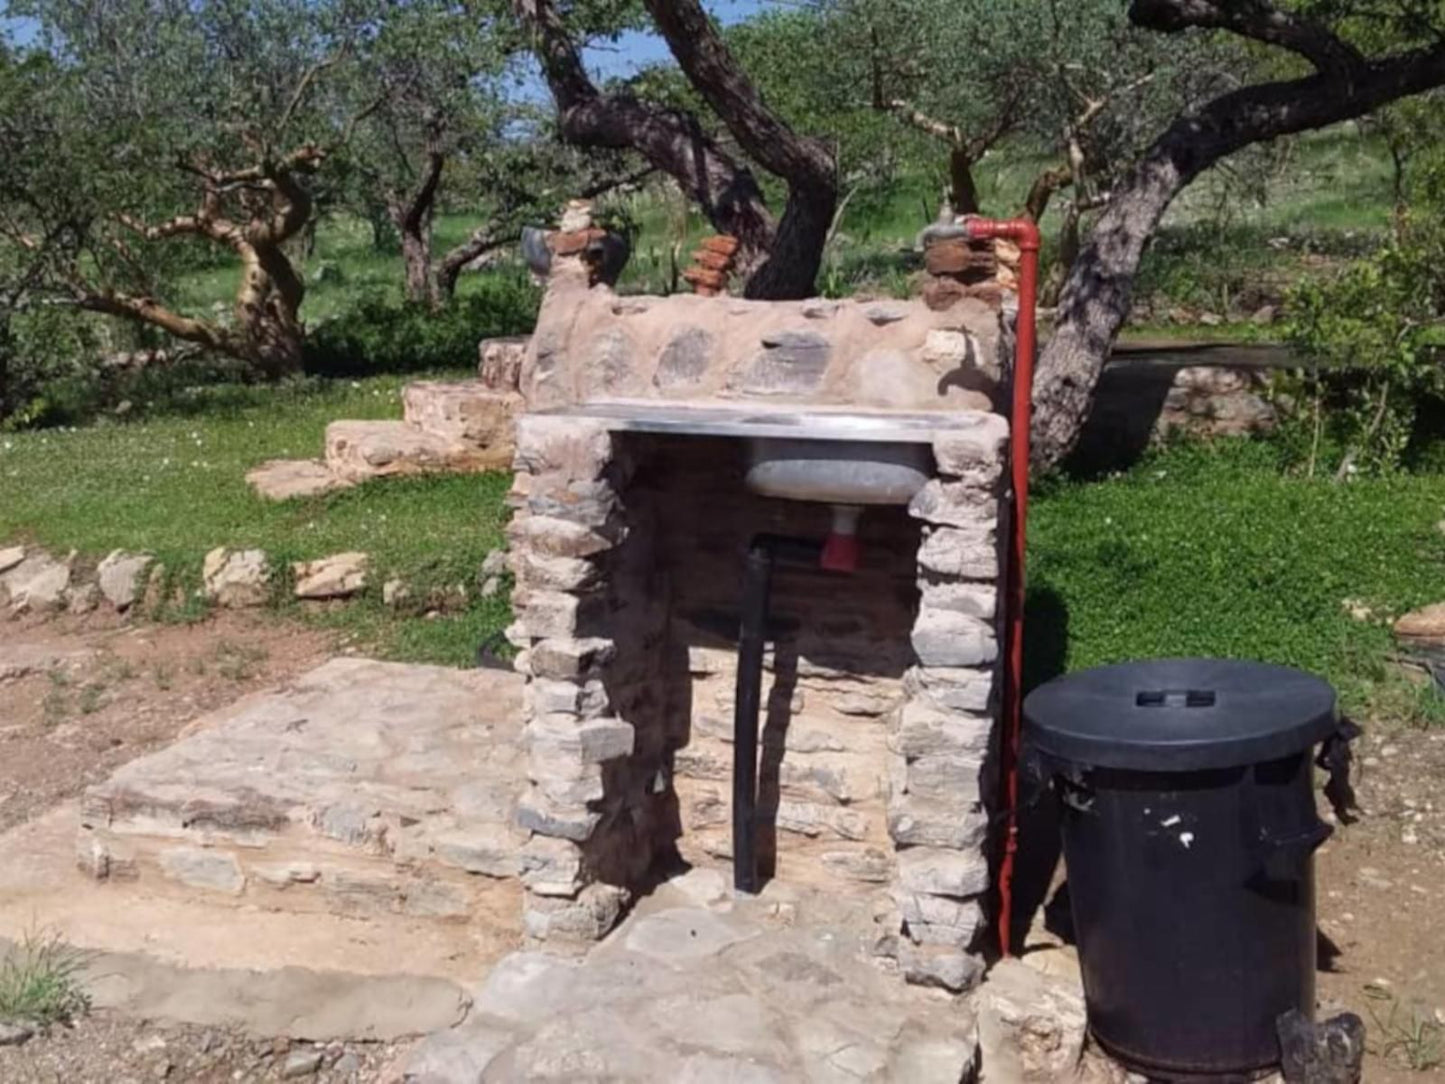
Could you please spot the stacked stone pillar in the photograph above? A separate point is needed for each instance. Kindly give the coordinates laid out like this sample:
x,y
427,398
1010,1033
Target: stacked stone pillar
x,y
593,798
944,737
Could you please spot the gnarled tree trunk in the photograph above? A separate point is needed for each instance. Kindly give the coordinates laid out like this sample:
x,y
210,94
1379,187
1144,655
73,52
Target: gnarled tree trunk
x,y
1097,292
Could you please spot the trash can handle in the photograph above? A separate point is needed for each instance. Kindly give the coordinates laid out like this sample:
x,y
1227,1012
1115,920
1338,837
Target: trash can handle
x,y
1174,698
1283,854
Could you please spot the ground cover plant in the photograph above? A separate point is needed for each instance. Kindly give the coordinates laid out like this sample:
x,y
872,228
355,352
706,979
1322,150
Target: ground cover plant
x,y
1215,550
173,486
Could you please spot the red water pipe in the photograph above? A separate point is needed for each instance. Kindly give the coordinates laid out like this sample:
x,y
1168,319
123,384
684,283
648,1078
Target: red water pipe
x,y
1025,234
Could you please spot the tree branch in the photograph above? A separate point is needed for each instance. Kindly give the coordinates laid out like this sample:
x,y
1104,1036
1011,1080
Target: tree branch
x,y
1256,19
711,68
916,118
147,311
670,140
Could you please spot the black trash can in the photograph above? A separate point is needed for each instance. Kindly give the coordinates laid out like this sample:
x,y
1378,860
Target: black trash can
x,y
1189,829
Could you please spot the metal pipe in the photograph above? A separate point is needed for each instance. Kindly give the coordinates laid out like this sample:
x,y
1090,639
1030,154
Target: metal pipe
x,y
763,552
1024,233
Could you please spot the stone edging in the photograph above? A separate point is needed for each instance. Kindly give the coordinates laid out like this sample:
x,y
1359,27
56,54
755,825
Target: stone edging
x,y
33,581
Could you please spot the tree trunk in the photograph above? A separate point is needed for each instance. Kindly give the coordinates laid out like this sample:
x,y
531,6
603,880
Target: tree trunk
x,y
421,286
449,267
962,192
267,307
1096,295
790,270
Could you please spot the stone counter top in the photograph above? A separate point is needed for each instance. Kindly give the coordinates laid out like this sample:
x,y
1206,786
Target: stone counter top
x,y
798,423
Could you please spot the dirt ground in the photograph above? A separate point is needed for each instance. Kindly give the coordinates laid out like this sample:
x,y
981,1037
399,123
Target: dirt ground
x,y
1381,885
79,696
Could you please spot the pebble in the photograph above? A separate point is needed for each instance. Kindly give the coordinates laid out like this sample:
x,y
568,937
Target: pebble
x,y
1408,837
301,1063
1389,750
13,1034
347,1065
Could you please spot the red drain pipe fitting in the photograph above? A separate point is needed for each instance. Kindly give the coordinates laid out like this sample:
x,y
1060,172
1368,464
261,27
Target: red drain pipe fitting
x,y
1025,234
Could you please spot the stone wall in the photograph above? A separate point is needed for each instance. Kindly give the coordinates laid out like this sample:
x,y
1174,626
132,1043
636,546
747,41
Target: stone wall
x,y
592,344
879,691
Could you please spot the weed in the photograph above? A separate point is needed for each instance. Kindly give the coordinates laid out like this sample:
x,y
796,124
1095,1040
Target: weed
x,y
40,981
164,675
197,666
239,662
91,698
1405,1036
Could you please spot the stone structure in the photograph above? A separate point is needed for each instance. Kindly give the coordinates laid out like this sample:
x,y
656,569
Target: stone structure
x,y
627,550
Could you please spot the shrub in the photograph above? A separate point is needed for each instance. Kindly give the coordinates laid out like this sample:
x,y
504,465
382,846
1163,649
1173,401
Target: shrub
x,y
383,336
1375,333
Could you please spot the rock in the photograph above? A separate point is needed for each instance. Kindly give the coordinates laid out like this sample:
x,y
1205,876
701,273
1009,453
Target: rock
x,y
1210,319
236,578
791,363
10,557
945,349
940,872
200,867
957,554
1330,1052
684,933
684,361
289,479
500,362
495,563
924,731
346,1066
338,576
950,688
974,599
917,821
870,865
395,592
570,659
300,1063
488,849
14,1032
883,313
954,504
939,965
82,598
576,449
585,919
1031,1025
973,453
120,576
1265,314
358,450
948,638
1426,623
37,584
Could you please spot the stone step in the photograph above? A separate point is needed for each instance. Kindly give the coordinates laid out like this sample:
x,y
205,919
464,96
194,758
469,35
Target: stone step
x,y
365,788
358,450
499,361
465,411
202,959
287,479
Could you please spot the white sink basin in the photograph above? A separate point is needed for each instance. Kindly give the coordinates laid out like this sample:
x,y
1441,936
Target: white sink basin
x,y
851,472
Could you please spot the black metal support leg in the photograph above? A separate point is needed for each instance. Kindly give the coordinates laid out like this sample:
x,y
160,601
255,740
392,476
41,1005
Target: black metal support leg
x,y
763,553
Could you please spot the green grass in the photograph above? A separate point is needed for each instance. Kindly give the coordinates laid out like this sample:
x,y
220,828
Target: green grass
x,y
40,982
1211,550
173,486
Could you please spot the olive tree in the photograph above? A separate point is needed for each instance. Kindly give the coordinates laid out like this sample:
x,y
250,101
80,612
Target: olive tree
x,y
206,128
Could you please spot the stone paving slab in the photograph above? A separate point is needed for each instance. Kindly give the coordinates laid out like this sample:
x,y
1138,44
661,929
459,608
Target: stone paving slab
x,y
207,960
698,987
364,787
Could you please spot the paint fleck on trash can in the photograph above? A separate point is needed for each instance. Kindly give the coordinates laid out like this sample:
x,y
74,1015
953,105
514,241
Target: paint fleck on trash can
x,y
1189,828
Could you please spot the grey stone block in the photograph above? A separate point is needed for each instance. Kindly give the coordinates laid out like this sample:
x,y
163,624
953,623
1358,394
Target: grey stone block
x,y
939,872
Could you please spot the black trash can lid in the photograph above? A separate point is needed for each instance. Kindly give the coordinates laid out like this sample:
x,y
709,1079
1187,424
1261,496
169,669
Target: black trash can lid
x,y
1179,715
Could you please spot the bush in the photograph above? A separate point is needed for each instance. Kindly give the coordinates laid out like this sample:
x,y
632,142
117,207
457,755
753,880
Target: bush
x,y
383,336
1376,334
